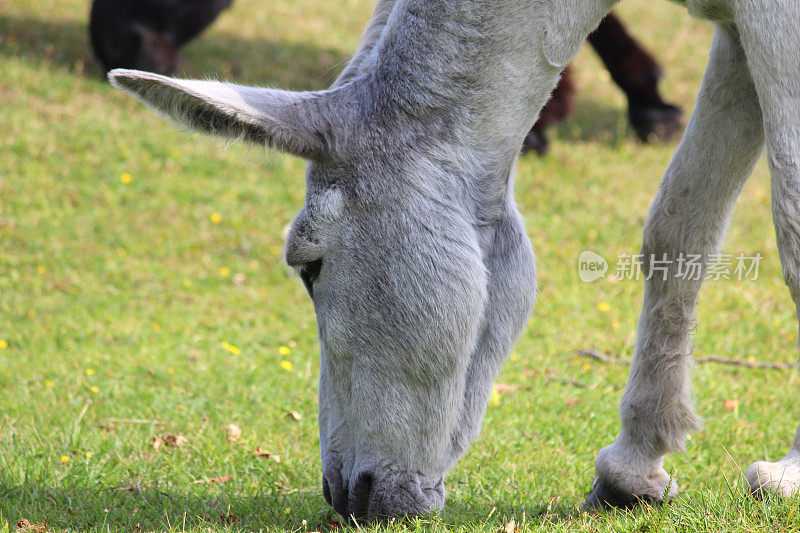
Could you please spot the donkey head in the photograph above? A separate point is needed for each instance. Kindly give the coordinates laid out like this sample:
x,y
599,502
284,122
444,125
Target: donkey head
x,y
419,294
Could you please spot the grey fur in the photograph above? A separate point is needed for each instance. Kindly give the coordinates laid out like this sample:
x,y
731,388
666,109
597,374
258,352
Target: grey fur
x,y
426,275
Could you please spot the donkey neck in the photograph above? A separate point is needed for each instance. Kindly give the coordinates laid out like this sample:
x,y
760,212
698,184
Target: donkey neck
x,y
475,72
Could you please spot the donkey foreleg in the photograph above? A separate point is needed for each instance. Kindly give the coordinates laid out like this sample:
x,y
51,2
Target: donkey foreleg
x,y
770,34
687,220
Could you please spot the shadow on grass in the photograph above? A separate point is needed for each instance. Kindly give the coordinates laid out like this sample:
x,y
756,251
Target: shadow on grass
x,y
155,509
65,45
593,121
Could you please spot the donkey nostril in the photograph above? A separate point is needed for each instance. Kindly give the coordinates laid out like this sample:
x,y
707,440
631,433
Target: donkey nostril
x,y
334,491
326,491
360,496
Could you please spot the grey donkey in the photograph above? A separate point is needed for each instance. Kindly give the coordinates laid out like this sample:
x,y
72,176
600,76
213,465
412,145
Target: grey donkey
x,y
414,254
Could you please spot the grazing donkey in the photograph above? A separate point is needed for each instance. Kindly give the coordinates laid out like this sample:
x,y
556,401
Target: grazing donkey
x,y
415,256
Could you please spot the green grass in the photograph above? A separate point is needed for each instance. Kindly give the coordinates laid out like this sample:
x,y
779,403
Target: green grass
x,y
115,307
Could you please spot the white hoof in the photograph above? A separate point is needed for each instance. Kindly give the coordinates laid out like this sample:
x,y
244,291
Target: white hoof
x,y
781,478
625,478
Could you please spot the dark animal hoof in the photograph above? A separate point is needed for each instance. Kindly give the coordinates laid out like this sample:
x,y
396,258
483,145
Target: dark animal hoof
x,y
535,141
658,122
605,496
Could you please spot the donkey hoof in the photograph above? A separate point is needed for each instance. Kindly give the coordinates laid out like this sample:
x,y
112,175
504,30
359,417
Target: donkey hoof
x,y
607,496
781,479
535,141
658,122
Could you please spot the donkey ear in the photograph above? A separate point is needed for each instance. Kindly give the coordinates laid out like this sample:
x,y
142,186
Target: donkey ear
x,y
566,27
300,123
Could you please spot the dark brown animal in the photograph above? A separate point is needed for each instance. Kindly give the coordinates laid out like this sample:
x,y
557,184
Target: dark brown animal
x,y
148,34
634,70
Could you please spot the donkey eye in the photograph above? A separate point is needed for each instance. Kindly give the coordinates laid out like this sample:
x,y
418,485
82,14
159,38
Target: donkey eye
x,y
309,272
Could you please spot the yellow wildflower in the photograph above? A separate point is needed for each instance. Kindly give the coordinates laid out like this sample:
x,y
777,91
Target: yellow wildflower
x,y
3,344
125,178
64,459
494,401
286,365
40,269
94,390
224,272
284,350
90,371
603,307
49,383
231,348
216,218
89,455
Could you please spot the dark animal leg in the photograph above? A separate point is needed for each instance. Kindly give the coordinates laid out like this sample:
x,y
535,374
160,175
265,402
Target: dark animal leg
x,y
637,74
193,17
147,35
557,108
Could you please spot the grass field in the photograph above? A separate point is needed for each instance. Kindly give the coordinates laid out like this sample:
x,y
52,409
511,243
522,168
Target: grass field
x,y
143,294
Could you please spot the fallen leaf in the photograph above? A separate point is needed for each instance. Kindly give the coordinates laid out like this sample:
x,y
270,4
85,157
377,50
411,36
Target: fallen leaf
x,y
261,452
134,487
232,433
572,401
26,525
228,519
510,527
505,388
731,405
216,480
174,441
294,414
